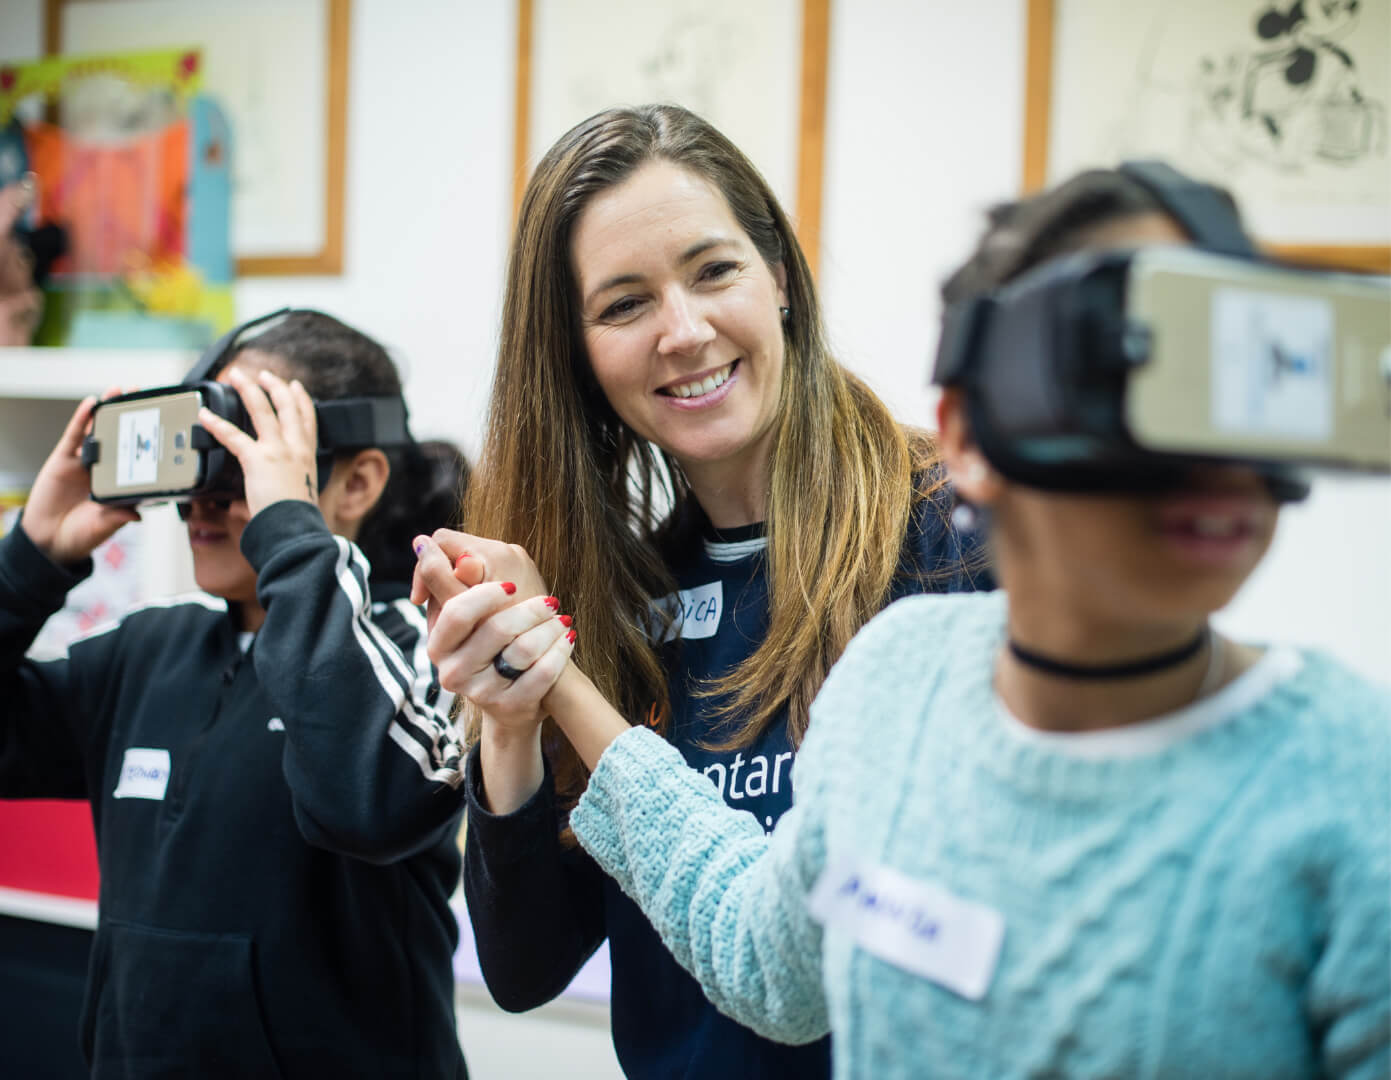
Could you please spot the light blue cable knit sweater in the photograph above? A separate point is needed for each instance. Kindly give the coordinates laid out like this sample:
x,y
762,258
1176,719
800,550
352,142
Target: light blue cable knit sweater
x,y
1216,903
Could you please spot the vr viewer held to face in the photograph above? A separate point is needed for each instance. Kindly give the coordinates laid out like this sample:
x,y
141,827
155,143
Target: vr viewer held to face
x,y
1119,369
150,446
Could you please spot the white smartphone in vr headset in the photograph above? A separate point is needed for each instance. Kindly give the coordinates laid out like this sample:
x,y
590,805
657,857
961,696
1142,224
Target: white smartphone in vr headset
x,y
149,447
1255,360
152,439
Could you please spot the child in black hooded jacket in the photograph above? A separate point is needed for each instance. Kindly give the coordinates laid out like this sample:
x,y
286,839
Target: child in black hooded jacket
x,y
270,764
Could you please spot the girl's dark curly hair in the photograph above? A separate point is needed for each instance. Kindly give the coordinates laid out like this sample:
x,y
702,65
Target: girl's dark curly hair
x,y
427,479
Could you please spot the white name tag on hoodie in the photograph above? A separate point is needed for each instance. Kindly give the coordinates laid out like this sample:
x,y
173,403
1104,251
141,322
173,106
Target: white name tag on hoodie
x,y
144,774
915,925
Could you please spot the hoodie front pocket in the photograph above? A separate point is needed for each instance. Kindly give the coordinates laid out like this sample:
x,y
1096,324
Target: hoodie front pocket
x,y
175,1003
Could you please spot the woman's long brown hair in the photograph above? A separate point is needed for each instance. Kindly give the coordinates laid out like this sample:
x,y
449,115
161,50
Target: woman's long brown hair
x,y
590,501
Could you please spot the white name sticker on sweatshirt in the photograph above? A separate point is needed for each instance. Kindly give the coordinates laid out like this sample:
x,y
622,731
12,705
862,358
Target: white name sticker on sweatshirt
x,y
144,774
695,613
915,925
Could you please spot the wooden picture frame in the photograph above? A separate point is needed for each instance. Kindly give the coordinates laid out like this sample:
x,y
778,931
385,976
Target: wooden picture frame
x,y
811,116
324,257
1039,120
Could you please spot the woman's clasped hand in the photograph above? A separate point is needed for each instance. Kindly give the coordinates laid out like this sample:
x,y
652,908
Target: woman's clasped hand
x,y
480,629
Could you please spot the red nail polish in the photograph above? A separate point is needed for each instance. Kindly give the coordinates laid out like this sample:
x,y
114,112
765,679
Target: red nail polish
x,y
553,603
570,637
460,559
566,620
508,588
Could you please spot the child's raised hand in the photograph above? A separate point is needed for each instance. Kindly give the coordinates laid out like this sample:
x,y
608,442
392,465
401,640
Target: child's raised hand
x,y
59,516
474,559
280,461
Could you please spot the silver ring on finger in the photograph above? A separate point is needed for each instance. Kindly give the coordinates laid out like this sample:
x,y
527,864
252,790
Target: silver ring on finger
x,y
506,670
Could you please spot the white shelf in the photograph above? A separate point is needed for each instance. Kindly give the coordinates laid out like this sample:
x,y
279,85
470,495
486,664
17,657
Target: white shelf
x,y
45,907
70,374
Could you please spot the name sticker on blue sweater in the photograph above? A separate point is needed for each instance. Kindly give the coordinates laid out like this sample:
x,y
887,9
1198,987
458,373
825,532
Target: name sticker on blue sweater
x,y
144,774
915,925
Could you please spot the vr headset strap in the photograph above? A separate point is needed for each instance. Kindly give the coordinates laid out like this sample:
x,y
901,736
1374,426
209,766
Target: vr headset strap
x,y
961,328
212,359
364,421
343,423
1202,211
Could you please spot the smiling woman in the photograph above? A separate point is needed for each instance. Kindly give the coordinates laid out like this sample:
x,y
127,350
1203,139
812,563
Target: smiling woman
x,y
681,324
718,504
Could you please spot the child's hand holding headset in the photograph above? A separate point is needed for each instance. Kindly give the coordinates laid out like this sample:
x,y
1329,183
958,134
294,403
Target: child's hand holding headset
x,y
59,516
280,462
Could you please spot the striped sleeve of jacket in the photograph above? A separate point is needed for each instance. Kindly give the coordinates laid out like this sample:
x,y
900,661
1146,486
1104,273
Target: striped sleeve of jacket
x,y
374,765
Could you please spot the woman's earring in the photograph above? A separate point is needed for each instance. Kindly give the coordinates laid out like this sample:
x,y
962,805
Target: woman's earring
x,y
785,313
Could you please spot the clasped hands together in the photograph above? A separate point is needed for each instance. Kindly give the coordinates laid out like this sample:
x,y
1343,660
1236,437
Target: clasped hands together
x,y
486,602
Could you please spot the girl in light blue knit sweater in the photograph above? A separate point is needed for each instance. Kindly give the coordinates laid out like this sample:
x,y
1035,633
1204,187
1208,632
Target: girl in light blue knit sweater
x,y
1064,830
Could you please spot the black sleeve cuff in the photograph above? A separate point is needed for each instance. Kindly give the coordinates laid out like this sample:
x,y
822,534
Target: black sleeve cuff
x,y
33,580
508,838
279,523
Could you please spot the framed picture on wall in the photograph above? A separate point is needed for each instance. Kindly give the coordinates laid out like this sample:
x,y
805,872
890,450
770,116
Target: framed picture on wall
x,y
1286,103
280,72
757,71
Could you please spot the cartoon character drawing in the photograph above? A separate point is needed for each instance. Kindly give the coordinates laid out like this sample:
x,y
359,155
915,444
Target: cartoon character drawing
x,y
1292,99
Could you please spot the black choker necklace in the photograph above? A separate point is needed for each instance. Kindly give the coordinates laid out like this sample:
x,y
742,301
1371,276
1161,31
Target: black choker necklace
x,y
1126,670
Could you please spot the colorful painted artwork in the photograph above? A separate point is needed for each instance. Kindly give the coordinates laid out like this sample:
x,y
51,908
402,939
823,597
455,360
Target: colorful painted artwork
x,y
132,164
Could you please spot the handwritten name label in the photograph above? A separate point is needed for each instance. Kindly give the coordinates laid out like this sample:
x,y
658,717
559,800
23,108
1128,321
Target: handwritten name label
x,y
915,925
144,774
695,613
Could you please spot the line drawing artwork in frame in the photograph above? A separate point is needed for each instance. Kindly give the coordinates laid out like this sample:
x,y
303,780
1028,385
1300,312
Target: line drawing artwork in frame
x,y
757,71
288,163
1285,102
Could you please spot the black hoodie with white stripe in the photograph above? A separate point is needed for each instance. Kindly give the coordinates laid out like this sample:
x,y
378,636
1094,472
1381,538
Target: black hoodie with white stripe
x,y
275,826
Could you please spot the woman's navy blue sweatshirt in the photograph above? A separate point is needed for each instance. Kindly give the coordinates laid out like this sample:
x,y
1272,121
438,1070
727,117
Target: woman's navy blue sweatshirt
x,y
540,909
275,827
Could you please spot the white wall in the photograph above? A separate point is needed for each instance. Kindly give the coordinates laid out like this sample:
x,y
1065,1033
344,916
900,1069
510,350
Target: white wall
x,y
924,123
428,200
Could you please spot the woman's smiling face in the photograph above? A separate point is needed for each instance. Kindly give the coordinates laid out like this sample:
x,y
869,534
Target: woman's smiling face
x,y
680,317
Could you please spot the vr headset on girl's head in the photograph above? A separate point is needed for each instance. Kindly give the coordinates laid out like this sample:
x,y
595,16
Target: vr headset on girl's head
x,y
1116,371
149,447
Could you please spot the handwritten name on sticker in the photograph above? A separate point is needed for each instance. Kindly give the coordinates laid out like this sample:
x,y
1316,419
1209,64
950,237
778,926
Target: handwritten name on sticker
x,y
915,925
694,613
144,774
